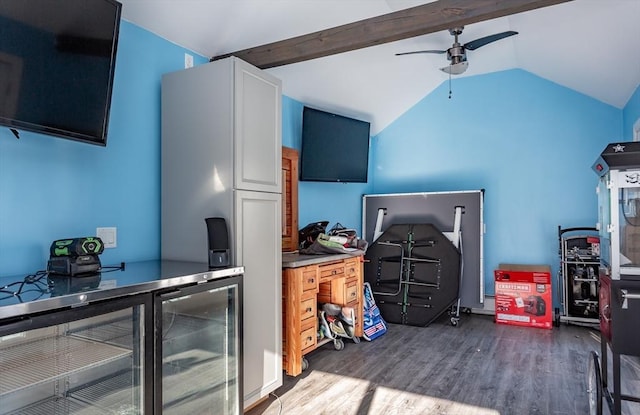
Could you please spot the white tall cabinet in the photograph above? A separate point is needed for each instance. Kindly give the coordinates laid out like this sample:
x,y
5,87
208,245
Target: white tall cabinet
x,y
221,157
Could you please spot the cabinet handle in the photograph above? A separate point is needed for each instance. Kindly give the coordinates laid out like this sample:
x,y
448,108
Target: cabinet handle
x,y
309,309
311,280
353,294
334,272
626,295
171,293
309,338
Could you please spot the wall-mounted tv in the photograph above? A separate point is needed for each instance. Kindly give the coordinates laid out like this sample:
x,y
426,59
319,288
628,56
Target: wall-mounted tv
x,y
57,61
335,148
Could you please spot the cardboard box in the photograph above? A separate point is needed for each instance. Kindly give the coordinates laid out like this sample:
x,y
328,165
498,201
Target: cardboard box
x,y
523,295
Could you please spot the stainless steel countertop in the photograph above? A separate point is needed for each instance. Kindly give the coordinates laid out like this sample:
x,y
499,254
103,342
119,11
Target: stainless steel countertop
x,y
138,277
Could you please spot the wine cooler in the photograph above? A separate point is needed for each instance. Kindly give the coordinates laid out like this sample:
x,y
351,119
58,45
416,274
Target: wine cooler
x,y
142,342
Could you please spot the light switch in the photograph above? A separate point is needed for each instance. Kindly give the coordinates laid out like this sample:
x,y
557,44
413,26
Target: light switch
x,y
188,61
108,236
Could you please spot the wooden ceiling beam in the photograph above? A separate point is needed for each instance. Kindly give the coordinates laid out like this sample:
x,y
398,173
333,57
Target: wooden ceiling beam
x,y
403,24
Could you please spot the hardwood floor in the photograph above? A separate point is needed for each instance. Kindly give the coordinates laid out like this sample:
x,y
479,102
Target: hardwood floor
x,y
477,368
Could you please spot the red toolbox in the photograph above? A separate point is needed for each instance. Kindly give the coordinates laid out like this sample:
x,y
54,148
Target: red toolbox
x,y
523,295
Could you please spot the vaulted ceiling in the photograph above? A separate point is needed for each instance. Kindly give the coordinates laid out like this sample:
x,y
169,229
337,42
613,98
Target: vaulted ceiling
x,y
591,46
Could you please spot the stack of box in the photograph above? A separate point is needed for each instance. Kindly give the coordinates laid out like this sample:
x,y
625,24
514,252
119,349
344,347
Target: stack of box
x,y
523,295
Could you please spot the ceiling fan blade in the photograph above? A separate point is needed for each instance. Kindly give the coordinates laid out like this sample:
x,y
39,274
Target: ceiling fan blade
x,y
421,51
475,44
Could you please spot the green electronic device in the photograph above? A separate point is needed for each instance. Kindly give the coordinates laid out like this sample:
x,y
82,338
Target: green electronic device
x,y
90,245
75,256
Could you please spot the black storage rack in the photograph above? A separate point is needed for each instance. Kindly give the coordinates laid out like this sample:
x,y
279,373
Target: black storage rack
x,y
579,250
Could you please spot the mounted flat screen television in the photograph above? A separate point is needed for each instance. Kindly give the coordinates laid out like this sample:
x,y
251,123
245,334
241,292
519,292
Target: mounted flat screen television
x,y
57,61
335,148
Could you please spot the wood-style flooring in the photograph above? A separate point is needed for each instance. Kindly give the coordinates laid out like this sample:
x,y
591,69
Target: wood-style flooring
x,y
477,368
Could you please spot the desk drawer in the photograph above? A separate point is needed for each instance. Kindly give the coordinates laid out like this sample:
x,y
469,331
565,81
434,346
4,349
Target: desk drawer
x,y
308,308
330,271
351,292
310,279
308,338
351,267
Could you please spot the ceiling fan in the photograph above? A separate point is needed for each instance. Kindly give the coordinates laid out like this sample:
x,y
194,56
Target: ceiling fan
x,y
457,54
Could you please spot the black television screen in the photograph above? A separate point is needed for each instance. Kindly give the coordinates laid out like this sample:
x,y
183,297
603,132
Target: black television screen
x,y
57,60
335,148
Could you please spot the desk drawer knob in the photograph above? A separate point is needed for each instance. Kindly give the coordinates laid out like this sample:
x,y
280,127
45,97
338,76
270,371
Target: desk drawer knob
x,y
309,309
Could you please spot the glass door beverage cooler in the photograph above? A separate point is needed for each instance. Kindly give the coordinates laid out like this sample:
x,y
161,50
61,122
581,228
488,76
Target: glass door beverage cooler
x,y
144,341
88,360
198,351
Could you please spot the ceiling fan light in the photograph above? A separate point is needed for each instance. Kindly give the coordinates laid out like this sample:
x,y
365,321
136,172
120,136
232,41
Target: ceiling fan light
x,y
456,68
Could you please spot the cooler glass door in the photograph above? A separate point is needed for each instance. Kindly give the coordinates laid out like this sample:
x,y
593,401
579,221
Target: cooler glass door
x,y
199,346
87,360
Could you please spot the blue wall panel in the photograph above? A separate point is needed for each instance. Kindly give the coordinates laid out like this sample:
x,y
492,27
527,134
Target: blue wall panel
x,y
528,142
52,188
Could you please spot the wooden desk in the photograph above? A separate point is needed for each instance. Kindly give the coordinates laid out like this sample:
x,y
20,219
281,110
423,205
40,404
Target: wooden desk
x,y
306,281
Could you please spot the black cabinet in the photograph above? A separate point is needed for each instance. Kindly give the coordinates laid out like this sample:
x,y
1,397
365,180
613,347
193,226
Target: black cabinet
x,y
579,274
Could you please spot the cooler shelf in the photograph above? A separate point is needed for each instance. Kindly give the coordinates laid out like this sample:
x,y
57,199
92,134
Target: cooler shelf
x,y
46,359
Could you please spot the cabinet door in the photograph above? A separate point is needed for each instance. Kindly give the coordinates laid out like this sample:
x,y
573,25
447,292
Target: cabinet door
x,y
257,242
289,199
257,125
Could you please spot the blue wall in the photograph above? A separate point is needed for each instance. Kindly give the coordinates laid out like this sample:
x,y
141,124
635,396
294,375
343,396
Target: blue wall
x,y
51,188
528,142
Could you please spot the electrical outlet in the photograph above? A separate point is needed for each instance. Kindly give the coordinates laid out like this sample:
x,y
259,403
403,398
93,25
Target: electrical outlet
x,y
108,236
188,61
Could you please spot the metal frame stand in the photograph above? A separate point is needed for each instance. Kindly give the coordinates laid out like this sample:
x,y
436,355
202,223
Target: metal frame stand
x,y
407,263
577,256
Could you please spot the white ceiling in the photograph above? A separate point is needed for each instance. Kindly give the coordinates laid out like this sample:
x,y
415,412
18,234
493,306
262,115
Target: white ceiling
x,y
591,46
